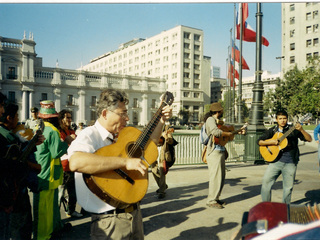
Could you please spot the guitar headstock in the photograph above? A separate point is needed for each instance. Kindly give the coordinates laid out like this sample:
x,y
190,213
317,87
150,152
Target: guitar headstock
x,y
305,117
167,98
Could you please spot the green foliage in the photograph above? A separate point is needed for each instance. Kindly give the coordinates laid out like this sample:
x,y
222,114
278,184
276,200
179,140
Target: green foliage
x,y
298,93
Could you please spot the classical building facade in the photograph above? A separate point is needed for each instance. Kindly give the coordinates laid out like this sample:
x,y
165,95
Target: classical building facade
x,y
26,82
300,34
175,55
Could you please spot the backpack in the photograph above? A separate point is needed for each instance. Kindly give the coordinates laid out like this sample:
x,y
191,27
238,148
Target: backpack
x,y
204,138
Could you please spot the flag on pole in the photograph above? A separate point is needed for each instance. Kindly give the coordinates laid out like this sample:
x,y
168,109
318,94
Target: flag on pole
x,y
236,56
249,35
230,74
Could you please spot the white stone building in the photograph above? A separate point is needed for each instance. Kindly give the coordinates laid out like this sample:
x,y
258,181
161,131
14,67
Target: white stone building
x,y
300,34
175,55
26,82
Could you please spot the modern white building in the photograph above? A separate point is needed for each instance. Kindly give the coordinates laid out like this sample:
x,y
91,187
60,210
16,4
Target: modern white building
x,y
300,34
175,55
26,82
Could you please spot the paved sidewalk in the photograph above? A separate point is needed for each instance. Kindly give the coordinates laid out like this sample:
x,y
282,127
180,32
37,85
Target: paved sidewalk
x,y
183,214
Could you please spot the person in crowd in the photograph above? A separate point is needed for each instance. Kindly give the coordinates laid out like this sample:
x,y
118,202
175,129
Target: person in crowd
x,y
287,160
316,134
65,129
166,159
108,222
15,176
33,122
216,155
47,219
80,128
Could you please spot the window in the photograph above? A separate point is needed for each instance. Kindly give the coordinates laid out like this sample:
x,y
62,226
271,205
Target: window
x,y
308,56
186,85
308,29
315,28
93,115
292,20
165,58
196,47
196,57
315,14
186,65
158,52
315,42
196,86
196,95
292,33
291,7
292,59
196,76
196,37
44,96
196,66
186,55
308,16
186,35
186,75
292,46
11,73
70,100
12,97
186,94
153,103
93,101
316,54
186,45
308,43
157,42
166,49
135,102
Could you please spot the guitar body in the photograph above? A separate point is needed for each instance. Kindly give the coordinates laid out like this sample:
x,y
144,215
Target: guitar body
x,y
223,140
270,153
113,188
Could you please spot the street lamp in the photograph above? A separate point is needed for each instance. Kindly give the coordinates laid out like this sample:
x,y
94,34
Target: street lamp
x,y
279,58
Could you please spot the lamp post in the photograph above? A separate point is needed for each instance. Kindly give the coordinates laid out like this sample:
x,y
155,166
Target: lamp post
x,y
256,126
280,58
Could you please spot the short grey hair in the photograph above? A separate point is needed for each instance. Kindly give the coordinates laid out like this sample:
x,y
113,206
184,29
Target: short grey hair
x,y
109,99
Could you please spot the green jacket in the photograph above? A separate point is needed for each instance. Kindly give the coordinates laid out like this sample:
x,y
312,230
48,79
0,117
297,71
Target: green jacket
x,y
48,156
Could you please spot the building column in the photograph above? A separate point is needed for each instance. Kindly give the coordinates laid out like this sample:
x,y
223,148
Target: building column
x,y
57,99
145,110
24,108
31,102
24,76
82,107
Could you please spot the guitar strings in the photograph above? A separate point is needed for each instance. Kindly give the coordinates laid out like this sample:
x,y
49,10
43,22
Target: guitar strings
x,y
140,143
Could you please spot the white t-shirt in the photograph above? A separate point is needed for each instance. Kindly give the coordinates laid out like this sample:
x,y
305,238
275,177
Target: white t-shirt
x,y
90,140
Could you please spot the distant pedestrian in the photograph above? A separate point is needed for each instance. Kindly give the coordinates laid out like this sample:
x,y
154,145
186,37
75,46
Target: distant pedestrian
x,y
316,134
33,122
80,128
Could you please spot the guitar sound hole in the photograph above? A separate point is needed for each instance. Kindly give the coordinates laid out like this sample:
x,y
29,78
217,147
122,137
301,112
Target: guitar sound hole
x,y
134,151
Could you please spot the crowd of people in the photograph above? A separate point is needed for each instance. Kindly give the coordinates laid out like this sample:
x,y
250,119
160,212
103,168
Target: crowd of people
x,y
61,158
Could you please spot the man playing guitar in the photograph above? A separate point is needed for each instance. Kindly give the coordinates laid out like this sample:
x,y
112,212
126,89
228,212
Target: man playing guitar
x,y
216,155
287,160
107,221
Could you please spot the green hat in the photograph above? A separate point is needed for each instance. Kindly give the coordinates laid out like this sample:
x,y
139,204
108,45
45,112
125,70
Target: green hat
x,y
47,110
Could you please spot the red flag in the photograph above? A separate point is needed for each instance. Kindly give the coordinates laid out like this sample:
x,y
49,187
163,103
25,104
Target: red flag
x,y
230,75
236,52
248,35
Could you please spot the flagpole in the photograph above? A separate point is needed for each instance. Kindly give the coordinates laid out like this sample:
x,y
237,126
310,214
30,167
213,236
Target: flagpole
x,y
256,127
240,68
234,56
230,77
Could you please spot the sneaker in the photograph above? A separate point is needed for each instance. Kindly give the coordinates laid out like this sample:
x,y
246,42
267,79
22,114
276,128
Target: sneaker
x,y
221,202
215,205
76,214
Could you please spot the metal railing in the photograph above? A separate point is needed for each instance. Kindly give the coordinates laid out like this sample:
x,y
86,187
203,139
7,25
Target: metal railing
x,y
189,149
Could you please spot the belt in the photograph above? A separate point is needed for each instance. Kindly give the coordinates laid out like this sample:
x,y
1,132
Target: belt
x,y
129,209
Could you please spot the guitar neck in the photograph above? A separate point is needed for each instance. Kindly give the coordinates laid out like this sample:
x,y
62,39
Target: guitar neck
x,y
145,135
286,134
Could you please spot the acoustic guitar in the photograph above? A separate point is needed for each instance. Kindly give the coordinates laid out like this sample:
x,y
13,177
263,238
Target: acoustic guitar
x,y
271,152
223,140
121,188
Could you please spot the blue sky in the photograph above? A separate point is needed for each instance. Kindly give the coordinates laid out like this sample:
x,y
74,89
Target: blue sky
x,y
75,33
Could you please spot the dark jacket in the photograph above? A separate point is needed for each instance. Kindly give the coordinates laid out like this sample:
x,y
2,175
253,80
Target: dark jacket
x,y
293,141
